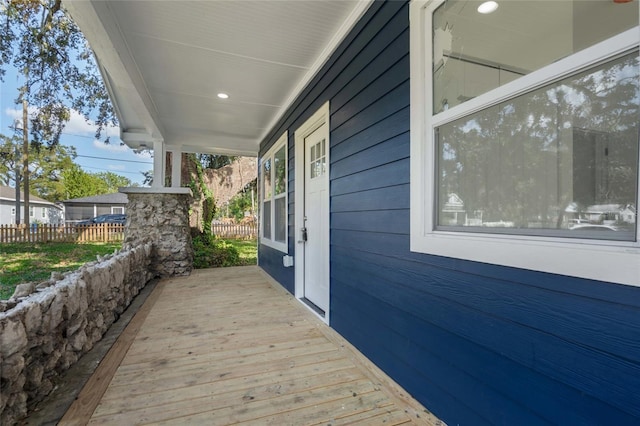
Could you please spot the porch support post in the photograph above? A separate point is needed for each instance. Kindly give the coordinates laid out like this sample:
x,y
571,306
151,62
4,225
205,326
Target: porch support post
x,y
161,216
176,166
158,164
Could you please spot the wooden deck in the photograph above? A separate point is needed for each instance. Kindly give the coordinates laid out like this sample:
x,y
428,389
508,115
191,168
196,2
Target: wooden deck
x,y
228,346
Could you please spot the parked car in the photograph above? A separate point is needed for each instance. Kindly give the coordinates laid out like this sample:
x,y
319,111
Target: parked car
x,y
105,218
592,227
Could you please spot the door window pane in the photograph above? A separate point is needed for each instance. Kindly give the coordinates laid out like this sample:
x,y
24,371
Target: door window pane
x,y
318,164
560,160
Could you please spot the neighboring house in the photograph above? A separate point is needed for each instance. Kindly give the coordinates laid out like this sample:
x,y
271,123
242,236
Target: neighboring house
x,y
40,210
628,214
453,211
610,213
79,209
520,113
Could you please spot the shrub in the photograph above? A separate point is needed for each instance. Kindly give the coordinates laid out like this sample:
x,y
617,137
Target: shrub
x,y
209,253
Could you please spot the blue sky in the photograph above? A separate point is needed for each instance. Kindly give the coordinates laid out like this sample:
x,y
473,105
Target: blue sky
x,y
93,155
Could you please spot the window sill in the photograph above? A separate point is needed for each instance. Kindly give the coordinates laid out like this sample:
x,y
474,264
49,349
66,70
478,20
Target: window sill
x,y
275,245
609,261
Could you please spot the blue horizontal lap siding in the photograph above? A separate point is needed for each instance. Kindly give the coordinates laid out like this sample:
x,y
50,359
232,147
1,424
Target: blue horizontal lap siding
x,y
437,296
397,195
476,343
434,361
270,260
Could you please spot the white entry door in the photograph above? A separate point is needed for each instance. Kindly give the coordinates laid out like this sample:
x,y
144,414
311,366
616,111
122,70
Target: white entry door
x,y
314,234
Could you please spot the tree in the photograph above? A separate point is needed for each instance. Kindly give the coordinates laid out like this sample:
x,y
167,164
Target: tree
x,y
78,183
9,159
46,165
209,161
241,203
114,181
39,40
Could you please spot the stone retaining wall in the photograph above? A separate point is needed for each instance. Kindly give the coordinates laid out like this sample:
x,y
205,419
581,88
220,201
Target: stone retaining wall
x,y
43,333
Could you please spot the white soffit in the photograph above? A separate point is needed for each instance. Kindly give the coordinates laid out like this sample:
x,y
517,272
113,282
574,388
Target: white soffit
x,y
164,63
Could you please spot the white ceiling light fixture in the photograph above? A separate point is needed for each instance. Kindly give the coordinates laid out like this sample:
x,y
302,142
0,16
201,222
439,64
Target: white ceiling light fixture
x,y
222,95
488,7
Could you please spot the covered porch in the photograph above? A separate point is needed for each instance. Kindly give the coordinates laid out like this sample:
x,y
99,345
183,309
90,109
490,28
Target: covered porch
x,y
228,346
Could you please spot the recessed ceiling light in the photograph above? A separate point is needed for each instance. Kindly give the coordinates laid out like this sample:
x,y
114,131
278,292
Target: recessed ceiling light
x,y
488,7
223,95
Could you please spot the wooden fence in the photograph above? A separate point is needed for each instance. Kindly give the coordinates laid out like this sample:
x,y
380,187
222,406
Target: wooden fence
x,y
235,231
103,232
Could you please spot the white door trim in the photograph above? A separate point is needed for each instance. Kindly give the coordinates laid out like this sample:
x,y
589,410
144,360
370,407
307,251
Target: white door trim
x,y
319,118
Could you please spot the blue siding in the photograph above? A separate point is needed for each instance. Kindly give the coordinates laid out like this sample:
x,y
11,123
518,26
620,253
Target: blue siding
x,y
475,343
270,260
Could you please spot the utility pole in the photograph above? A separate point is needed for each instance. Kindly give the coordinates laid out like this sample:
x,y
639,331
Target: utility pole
x,y
18,182
25,160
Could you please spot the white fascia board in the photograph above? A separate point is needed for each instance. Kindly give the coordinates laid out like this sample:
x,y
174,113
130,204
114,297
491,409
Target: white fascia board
x,y
126,87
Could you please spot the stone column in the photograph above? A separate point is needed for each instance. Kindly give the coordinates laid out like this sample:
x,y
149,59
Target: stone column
x,y
161,216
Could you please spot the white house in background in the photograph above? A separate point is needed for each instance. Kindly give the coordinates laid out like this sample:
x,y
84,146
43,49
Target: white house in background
x,y
611,213
40,210
628,214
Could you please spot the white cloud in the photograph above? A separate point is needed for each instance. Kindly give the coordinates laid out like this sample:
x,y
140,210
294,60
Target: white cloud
x,y
110,147
16,114
76,125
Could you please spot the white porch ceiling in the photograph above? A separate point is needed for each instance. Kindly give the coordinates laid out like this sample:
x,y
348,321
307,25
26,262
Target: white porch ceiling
x,y
164,62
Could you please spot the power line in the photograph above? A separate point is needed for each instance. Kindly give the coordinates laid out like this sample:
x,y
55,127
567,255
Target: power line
x,y
114,159
113,171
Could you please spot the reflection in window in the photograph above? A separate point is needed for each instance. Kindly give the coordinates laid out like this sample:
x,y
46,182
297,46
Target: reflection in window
x,y
475,53
266,219
561,158
280,171
280,219
318,160
266,173
274,196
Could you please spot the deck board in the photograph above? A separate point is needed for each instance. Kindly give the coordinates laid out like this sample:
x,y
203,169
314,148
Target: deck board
x,y
229,346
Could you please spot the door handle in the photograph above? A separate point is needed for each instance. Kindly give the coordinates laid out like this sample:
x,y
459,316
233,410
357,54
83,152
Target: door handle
x,y
303,235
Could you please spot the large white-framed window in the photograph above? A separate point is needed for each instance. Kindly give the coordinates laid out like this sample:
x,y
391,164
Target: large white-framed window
x,y
117,210
524,135
273,196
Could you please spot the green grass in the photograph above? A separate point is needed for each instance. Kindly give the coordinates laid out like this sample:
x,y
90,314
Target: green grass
x,y
24,262
248,250
20,263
